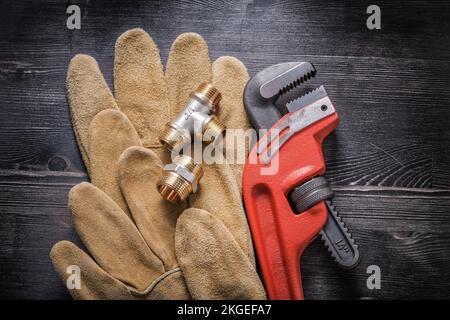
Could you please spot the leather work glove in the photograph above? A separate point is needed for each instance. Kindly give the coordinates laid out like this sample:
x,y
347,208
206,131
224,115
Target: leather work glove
x,y
140,245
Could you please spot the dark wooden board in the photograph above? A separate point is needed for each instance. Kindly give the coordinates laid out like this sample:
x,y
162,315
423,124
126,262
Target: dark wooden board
x,y
404,232
389,159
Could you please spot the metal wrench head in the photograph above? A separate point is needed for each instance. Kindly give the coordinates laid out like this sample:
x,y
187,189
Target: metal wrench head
x,y
268,85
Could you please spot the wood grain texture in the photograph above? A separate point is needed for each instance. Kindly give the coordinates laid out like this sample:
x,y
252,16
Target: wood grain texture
x,y
389,159
404,232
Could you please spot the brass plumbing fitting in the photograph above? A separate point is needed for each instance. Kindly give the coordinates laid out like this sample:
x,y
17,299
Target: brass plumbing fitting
x,y
180,179
196,119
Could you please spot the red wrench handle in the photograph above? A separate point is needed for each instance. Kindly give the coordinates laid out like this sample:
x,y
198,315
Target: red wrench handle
x,y
280,235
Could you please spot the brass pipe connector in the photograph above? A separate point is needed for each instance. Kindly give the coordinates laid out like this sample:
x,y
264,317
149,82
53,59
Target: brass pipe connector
x,y
196,119
180,179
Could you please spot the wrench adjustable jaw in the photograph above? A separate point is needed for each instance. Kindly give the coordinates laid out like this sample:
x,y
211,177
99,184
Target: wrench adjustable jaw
x,y
286,209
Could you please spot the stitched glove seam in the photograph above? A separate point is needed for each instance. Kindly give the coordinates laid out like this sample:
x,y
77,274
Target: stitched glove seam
x,y
153,284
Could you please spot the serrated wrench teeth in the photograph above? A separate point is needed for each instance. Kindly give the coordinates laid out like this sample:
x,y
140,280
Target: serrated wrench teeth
x,y
307,99
285,77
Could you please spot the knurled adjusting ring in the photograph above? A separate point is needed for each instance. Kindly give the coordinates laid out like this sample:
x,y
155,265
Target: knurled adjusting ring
x,y
309,194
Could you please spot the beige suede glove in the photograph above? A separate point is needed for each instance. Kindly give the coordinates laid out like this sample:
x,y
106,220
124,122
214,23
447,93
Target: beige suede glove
x,y
140,245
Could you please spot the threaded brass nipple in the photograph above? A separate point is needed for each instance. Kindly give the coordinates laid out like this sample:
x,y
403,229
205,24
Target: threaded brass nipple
x,y
171,138
212,129
211,93
180,179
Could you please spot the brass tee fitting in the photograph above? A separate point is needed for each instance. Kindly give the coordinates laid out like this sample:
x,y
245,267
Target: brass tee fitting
x,y
196,118
180,179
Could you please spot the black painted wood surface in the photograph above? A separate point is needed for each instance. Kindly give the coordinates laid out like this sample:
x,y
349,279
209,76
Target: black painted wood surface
x,y
389,159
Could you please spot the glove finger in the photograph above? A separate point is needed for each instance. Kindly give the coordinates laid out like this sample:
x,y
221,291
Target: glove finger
x,y
94,282
230,77
110,133
88,94
112,238
140,85
139,171
212,262
218,186
188,65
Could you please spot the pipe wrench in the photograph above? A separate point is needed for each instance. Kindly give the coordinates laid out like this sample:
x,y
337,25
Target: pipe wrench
x,y
288,208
